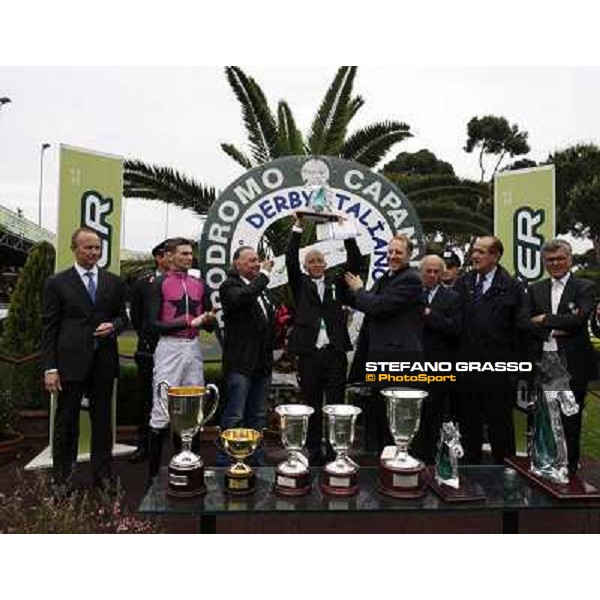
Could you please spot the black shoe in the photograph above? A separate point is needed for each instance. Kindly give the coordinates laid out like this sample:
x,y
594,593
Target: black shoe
x,y
139,456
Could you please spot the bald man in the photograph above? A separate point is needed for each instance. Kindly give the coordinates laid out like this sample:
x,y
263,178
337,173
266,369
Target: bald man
x,y
319,336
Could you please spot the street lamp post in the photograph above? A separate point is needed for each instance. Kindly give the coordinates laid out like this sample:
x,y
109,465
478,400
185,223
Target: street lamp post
x,y
4,100
43,147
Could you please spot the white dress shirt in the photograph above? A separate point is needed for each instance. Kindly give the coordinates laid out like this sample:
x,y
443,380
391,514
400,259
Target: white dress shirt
x,y
557,287
82,274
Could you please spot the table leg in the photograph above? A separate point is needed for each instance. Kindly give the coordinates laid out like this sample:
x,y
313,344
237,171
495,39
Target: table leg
x,y
510,521
208,524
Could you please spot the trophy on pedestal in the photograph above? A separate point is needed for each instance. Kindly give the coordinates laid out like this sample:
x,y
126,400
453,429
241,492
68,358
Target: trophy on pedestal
x,y
293,475
340,478
240,443
187,412
401,475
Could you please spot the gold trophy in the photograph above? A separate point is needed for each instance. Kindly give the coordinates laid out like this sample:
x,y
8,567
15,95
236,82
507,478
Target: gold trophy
x,y
187,412
240,479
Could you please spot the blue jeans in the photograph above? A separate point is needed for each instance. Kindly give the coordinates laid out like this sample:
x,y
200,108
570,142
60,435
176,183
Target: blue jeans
x,y
246,406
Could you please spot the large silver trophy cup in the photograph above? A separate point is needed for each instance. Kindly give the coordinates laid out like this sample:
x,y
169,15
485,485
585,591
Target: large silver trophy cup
x,y
188,413
401,475
293,475
340,478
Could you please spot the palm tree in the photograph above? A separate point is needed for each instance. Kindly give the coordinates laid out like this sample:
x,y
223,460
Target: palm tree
x,y
273,136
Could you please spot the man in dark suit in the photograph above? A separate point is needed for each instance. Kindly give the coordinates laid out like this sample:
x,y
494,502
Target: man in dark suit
x,y
319,335
146,344
83,313
249,329
494,319
392,328
440,337
559,309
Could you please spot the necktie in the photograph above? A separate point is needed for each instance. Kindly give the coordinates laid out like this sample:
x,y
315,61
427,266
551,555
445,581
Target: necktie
x,y
91,286
478,289
425,297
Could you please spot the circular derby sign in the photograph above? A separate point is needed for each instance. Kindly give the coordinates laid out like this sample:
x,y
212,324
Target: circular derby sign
x,y
264,195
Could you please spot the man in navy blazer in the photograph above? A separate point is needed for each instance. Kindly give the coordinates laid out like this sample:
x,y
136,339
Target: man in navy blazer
x,y
83,312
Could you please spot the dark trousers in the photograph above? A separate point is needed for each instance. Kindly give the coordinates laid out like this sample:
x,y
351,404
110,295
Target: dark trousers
x,y
572,429
145,365
435,410
98,388
493,408
322,375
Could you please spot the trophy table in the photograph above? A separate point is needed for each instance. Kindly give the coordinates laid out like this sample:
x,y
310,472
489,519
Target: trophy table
x,y
340,478
401,475
293,475
187,415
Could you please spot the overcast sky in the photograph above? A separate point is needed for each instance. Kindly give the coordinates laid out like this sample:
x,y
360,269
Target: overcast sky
x,y
180,116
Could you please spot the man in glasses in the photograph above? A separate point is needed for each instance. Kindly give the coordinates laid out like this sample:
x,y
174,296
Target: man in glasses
x,y
559,310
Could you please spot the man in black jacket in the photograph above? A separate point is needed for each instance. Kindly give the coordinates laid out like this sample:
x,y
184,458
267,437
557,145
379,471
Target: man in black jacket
x,y
494,319
83,312
559,309
146,344
392,328
249,328
440,336
320,335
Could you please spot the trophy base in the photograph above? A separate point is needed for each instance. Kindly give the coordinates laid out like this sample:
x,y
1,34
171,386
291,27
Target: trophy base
x,y
292,485
465,492
401,483
335,484
577,489
240,485
186,483
318,217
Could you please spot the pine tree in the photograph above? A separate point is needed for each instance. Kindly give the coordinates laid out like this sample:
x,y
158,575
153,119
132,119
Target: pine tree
x,y
23,327
22,336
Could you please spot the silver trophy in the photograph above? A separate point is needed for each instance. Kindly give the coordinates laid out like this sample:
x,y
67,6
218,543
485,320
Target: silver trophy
x,y
340,476
315,174
401,474
293,475
187,412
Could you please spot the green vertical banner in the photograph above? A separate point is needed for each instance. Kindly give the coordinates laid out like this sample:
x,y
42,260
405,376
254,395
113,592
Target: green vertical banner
x,y
90,195
525,218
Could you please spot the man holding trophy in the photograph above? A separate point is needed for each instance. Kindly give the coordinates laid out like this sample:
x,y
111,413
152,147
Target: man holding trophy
x,y
319,336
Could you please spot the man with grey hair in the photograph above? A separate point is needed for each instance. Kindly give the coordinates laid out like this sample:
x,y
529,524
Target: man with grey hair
x,y
441,328
320,335
559,309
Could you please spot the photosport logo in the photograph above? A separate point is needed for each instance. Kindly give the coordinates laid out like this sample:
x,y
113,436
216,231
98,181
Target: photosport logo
x,y
245,212
95,211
